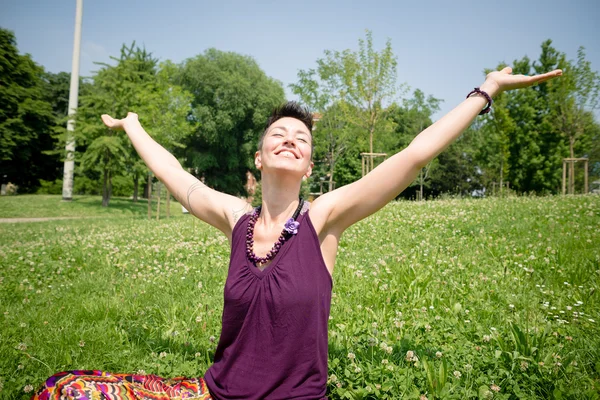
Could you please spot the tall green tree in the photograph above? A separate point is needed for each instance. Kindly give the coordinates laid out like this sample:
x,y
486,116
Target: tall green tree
x,y
26,119
232,99
352,90
420,110
134,84
572,102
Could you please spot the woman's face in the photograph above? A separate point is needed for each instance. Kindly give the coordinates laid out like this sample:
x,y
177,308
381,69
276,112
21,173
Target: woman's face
x,y
287,145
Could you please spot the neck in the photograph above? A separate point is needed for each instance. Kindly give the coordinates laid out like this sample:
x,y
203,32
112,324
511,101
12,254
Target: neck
x,y
280,199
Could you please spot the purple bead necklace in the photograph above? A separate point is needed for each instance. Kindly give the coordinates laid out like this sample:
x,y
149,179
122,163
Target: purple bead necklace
x,y
290,228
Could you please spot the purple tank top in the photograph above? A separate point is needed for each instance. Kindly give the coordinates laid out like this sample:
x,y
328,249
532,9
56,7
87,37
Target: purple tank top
x,y
273,341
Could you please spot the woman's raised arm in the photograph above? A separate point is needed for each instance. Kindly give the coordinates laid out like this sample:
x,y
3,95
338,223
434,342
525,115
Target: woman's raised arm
x,y
218,209
349,204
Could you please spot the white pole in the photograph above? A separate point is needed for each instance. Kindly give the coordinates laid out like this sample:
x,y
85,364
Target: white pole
x,y
67,192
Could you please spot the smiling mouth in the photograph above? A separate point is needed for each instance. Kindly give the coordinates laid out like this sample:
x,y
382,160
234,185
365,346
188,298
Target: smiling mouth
x,y
287,153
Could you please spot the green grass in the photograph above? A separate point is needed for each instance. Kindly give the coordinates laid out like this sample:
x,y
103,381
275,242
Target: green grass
x,y
484,294
38,206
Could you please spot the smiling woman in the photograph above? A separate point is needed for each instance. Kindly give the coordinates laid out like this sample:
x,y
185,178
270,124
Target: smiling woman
x,y
277,296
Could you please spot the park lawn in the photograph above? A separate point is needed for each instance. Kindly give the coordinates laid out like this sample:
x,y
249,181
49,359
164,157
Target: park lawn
x,y
51,206
490,298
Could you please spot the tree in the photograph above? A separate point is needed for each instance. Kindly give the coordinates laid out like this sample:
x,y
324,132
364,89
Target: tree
x,y
232,99
133,84
421,110
572,101
352,91
26,119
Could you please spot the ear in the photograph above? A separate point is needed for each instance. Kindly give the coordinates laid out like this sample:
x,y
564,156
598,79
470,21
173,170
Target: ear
x,y
309,171
258,161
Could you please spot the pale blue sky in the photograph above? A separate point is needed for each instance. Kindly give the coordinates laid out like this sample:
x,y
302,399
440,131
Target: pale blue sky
x,y
442,46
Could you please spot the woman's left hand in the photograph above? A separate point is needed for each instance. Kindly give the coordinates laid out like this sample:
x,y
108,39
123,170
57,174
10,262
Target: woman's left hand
x,y
500,81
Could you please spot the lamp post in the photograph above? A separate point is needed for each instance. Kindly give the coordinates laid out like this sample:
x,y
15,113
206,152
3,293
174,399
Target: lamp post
x,y
67,191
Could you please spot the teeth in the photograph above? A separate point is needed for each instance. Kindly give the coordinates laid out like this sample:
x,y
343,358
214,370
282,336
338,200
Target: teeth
x,y
287,154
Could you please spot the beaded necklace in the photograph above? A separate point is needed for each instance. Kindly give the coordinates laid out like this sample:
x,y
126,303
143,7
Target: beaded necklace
x,y
290,228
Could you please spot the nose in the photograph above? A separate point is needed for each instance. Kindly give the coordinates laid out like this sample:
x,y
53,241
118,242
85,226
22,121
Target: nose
x,y
290,139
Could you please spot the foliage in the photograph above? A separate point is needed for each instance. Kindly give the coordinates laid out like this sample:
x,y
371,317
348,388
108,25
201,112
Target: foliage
x,y
352,91
134,84
456,299
232,99
530,131
26,118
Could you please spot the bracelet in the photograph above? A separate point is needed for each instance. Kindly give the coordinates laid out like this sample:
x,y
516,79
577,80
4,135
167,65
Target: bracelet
x,y
487,97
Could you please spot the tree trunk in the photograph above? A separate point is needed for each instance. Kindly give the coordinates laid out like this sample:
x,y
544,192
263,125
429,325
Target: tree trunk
x,y
168,203
421,179
501,175
109,187
158,185
136,182
105,188
572,169
371,131
331,167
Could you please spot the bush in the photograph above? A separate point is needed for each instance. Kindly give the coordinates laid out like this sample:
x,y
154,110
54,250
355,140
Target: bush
x,y
50,187
122,186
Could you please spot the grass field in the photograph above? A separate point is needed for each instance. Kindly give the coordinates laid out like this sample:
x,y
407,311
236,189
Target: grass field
x,y
492,298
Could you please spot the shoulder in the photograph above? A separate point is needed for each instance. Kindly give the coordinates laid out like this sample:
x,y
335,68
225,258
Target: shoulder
x,y
245,210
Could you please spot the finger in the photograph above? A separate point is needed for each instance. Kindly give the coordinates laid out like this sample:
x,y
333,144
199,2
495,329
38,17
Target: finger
x,y
547,76
507,70
108,120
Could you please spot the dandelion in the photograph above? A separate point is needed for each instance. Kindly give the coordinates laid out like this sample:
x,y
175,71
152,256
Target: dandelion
x,y
332,378
410,355
357,370
199,318
22,346
162,354
28,388
81,343
438,354
141,372
511,306
20,366
457,374
468,367
351,356
211,339
524,365
495,388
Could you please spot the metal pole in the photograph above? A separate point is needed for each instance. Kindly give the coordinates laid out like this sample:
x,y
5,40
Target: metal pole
x,y
67,192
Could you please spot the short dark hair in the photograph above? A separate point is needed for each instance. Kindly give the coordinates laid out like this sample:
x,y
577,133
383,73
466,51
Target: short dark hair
x,y
291,109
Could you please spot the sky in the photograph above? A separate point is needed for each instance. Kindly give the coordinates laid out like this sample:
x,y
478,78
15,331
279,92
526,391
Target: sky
x,y
442,46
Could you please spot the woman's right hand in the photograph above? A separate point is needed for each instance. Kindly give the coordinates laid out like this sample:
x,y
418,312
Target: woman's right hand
x,y
118,124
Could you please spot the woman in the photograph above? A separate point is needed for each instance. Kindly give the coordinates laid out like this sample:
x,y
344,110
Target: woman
x,y
273,343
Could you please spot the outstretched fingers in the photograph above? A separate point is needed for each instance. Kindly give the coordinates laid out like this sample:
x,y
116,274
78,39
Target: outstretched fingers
x,y
547,76
108,120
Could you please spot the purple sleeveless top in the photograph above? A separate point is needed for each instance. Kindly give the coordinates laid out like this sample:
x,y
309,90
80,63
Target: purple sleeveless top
x,y
273,341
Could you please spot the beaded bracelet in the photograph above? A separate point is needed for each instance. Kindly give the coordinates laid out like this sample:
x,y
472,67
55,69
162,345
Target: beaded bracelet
x,y
487,97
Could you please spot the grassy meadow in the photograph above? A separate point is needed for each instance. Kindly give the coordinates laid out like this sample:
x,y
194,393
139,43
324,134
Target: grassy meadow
x,y
455,299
